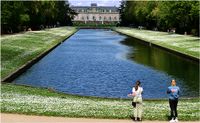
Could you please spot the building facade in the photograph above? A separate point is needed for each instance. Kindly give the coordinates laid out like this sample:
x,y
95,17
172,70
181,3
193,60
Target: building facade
x,y
96,14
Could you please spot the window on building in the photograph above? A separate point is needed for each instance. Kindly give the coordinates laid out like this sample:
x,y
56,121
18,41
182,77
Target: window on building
x,y
104,18
110,10
110,18
94,18
99,17
87,18
82,18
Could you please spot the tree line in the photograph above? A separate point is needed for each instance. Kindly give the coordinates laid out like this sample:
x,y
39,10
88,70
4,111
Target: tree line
x,y
181,16
34,15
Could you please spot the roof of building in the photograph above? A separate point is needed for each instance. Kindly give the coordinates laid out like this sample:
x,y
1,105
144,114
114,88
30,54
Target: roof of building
x,y
94,5
109,7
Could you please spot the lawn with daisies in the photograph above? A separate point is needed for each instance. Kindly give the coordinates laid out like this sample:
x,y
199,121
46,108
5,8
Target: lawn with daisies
x,y
185,44
40,101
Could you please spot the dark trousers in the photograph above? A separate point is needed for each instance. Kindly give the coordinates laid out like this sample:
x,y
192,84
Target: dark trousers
x,y
173,107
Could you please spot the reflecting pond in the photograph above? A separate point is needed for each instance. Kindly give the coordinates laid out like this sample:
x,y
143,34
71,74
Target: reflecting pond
x,y
103,63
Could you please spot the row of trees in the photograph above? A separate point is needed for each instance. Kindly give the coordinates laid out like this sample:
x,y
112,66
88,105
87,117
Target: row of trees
x,y
162,15
21,15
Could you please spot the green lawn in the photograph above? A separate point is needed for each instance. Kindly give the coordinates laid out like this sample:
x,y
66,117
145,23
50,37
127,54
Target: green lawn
x,y
188,45
38,101
18,49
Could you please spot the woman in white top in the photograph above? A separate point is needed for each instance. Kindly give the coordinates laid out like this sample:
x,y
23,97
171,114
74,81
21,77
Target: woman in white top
x,y
137,101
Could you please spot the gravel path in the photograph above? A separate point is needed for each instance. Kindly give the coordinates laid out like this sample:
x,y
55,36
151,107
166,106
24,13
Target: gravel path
x,y
18,118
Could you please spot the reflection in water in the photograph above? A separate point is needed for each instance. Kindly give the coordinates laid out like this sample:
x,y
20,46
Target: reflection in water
x,y
93,62
185,70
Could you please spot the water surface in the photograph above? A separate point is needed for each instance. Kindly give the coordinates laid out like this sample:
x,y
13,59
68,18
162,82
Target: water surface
x,y
103,63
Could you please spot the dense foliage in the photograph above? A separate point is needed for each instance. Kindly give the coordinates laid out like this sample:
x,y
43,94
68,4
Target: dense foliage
x,y
20,15
183,16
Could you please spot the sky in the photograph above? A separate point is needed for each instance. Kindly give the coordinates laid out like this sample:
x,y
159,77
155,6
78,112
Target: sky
x,y
99,2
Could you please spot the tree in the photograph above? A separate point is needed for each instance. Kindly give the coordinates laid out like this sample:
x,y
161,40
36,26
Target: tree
x,y
65,13
17,15
10,15
182,15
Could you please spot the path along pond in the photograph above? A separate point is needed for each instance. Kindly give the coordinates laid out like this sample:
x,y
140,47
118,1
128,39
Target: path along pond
x,y
103,63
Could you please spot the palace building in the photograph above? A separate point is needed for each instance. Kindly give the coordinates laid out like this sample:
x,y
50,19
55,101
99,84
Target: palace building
x,y
96,14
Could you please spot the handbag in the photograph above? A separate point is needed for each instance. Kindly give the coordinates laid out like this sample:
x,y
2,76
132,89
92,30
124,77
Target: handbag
x,y
134,104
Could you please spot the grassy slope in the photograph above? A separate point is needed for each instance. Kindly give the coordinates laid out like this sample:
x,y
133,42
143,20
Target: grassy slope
x,y
18,49
29,100
184,44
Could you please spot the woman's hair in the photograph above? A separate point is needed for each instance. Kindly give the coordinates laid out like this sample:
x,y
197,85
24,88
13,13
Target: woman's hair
x,y
137,84
173,80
